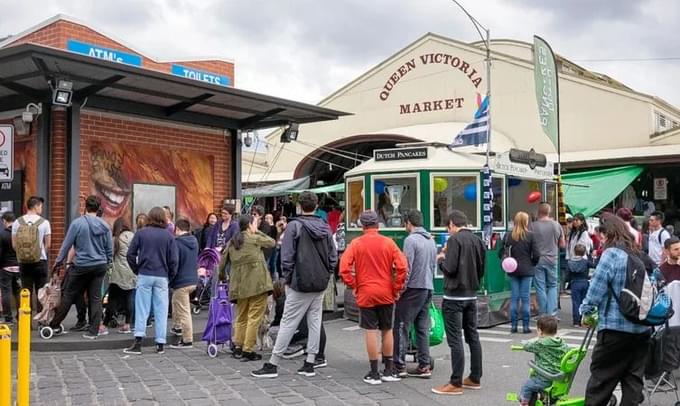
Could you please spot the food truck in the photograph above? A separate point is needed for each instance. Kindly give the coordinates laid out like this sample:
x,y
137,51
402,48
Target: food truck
x,y
435,179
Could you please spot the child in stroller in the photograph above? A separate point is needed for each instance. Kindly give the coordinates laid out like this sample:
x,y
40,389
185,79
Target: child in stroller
x,y
208,260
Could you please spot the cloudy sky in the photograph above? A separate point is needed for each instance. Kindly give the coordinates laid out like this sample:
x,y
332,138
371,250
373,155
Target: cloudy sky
x,y
306,49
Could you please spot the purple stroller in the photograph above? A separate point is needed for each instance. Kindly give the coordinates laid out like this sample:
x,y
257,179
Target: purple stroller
x,y
208,261
218,329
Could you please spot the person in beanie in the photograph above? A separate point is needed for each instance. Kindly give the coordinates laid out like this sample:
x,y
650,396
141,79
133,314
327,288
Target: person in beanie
x,y
413,305
463,268
368,267
308,258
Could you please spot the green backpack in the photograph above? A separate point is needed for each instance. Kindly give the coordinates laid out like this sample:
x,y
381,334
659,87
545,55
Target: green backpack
x,y
436,327
27,241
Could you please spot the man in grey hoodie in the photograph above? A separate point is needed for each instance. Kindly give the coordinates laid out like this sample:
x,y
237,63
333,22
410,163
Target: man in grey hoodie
x,y
413,305
90,236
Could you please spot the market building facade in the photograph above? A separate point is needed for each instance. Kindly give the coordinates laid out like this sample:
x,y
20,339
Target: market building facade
x,y
430,90
88,114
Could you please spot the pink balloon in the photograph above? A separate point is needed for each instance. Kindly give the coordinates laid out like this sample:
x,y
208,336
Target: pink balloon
x,y
509,264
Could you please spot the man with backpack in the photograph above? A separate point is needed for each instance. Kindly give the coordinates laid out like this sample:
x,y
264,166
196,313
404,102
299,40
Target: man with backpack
x,y
657,237
31,239
91,238
308,259
622,342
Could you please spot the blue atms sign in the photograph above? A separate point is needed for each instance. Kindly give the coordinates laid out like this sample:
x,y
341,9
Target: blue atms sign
x,y
202,76
107,54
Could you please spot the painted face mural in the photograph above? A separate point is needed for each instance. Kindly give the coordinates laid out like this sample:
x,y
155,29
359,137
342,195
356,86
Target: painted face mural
x,y
116,168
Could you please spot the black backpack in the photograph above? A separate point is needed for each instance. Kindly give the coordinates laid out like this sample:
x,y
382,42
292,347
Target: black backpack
x,y
312,268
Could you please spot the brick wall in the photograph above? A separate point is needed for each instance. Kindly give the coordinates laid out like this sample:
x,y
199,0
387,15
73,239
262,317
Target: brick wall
x,y
58,33
139,132
57,195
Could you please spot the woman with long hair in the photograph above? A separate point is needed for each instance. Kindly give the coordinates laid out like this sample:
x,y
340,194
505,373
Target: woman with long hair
x,y
250,284
122,281
520,245
153,257
621,350
578,235
141,220
201,234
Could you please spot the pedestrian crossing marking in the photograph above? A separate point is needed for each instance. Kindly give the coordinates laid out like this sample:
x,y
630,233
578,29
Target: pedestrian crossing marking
x,y
495,340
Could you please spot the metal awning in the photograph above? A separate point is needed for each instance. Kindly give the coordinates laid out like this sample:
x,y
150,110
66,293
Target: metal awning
x,y
99,84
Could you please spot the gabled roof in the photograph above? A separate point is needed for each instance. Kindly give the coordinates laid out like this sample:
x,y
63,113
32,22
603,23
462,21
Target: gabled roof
x,y
63,17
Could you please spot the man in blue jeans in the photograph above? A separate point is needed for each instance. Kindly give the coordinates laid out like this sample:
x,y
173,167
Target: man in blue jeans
x,y
549,237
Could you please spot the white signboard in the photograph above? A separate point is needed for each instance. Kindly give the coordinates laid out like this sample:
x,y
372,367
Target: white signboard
x,y
660,188
503,164
6,152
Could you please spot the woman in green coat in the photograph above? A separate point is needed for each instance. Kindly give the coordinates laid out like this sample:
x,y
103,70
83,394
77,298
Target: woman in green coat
x,y
249,284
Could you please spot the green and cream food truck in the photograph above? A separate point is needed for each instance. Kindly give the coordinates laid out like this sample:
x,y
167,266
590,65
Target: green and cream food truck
x,y
436,180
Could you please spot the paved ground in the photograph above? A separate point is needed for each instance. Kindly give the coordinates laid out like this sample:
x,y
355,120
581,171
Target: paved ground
x,y
179,377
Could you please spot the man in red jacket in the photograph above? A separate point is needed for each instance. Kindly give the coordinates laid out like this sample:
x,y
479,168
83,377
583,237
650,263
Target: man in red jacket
x,y
375,268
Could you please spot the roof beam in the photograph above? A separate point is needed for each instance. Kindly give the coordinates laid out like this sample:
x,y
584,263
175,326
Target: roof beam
x,y
183,105
24,90
246,122
96,87
42,67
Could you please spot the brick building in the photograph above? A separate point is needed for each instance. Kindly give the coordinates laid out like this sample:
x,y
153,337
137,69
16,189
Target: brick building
x,y
138,132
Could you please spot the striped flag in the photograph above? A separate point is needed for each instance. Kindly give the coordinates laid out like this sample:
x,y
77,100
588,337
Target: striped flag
x,y
477,132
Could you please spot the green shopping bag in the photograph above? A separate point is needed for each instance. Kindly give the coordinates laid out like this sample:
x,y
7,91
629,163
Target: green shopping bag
x,y
436,327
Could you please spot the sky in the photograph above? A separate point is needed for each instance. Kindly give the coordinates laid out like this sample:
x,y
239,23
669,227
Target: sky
x,y
306,49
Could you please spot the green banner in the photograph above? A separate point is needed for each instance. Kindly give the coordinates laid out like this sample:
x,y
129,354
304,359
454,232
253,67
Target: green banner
x,y
547,99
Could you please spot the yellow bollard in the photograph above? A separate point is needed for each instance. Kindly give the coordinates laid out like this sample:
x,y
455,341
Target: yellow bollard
x,y
24,353
5,365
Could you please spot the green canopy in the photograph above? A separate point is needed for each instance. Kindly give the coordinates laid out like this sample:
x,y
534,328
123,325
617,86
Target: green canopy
x,y
340,187
602,186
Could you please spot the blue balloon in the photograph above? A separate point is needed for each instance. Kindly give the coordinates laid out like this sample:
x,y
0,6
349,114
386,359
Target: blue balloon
x,y
379,187
514,182
470,192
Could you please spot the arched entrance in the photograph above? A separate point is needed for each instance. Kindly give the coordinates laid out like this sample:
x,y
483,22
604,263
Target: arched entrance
x,y
329,162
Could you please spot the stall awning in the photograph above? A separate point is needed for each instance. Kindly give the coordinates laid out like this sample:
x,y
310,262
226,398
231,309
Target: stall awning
x,y
597,188
278,189
340,187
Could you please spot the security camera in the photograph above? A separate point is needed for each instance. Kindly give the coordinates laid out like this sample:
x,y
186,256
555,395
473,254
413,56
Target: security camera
x,y
27,117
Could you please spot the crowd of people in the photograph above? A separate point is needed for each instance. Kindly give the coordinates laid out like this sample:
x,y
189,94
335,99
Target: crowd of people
x,y
151,271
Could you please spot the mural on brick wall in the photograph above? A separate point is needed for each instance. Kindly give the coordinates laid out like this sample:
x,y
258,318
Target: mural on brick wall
x,y
116,167
25,160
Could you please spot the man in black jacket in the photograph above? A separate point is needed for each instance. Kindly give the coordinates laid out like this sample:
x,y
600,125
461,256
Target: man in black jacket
x,y
9,268
463,268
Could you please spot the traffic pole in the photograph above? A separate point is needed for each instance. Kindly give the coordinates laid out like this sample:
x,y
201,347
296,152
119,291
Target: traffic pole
x,y
24,353
5,365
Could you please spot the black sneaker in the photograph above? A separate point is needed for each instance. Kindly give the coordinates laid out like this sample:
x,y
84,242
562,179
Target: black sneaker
x,y
160,349
307,369
293,352
390,376
80,326
176,331
267,371
372,378
90,336
58,332
182,345
320,362
250,356
135,349
401,371
237,353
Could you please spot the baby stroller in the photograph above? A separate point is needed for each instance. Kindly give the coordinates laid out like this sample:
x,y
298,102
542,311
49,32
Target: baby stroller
x,y
663,359
218,329
49,297
208,260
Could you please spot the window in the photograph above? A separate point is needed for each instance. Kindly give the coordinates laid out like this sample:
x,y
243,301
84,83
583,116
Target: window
x,y
498,208
551,196
519,192
393,196
355,201
449,192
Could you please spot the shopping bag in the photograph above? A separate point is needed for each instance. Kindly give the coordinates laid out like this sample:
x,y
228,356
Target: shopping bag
x,y
436,327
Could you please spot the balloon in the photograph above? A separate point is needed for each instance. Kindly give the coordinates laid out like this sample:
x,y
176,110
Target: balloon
x,y
534,197
470,192
440,184
379,187
512,182
509,264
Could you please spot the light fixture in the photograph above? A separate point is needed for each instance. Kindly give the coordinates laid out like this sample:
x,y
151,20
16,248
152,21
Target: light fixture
x,y
290,133
248,139
62,93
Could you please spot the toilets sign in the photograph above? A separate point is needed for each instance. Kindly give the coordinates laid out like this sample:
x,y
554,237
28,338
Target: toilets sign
x,y
201,76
